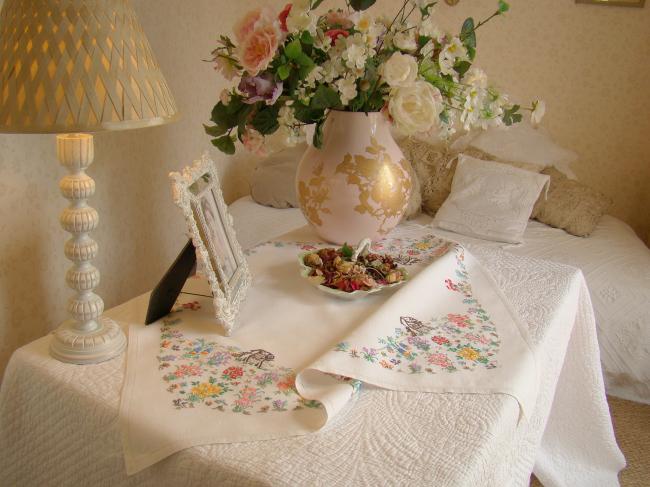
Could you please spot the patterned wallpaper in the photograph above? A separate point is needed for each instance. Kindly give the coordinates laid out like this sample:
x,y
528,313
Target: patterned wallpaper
x,y
589,63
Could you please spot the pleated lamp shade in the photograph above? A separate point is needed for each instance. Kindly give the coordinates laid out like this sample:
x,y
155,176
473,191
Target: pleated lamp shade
x,y
78,66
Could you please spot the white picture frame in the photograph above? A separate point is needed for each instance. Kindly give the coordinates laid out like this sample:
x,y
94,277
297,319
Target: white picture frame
x,y
197,192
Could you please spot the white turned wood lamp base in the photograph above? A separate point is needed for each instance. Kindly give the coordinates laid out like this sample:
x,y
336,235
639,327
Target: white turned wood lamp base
x,y
87,337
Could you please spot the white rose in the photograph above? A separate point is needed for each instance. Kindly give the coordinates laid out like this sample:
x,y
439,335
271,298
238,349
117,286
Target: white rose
x,y
416,107
400,69
405,41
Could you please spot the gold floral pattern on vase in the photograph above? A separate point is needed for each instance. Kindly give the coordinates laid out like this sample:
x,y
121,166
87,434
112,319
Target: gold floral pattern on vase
x,y
384,185
312,195
358,184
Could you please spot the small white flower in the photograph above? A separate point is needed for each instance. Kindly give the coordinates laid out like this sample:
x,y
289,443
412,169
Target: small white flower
x,y
399,70
429,29
300,18
347,88
405,41
416,107
539,109
476,78
449,54
314,76
321,41
356,52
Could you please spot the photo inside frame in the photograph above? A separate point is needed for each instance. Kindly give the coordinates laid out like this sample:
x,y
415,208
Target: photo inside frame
x,y
212,230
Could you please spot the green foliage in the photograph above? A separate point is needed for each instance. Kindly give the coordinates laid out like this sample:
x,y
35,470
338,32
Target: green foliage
x,y
305,114
318,133
325,97
461,67
306,38
503,7
315,4
468,37
265,121
215,130
284,71
425,10
293,49
511,116
359,5
347,251
225,144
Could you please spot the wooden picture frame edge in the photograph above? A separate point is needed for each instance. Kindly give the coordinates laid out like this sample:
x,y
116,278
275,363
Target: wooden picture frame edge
x,y
226,303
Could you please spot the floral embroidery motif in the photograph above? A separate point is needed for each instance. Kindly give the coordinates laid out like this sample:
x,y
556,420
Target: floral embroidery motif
x,y
443,344
225,378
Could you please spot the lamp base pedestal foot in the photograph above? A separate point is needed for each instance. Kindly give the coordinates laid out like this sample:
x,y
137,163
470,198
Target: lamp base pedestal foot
x,y
75,346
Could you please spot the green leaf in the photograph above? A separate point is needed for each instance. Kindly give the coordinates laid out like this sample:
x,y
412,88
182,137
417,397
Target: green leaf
x,y
347,251
467,33
461,67
306,114
225,144
265,120
359,5
306,37
284,71
222,116
214,130
293,49
318,134
325,97
471,52
503,7
422,41
425,10
315,4
444,116
511,116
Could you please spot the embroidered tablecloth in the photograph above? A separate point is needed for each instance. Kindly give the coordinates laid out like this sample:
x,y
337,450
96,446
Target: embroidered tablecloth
x,y
59,422
299,354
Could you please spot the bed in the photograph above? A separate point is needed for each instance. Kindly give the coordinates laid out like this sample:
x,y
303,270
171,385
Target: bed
x,y
614,261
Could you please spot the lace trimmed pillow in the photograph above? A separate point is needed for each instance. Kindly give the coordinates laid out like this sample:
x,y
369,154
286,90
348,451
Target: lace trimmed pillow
x,y
570,205
435,166
490,200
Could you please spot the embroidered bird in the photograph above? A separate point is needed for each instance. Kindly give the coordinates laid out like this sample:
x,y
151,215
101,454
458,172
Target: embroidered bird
x,y
256,357
414,326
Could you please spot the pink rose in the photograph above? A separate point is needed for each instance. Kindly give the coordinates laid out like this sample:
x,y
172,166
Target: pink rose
x,y
259,48
254,142
247,24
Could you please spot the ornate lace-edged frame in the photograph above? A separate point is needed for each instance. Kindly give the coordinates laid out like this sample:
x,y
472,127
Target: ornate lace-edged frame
x,y
228,294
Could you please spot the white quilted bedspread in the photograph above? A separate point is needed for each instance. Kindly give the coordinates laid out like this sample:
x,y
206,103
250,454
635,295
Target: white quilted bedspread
x,y
58,422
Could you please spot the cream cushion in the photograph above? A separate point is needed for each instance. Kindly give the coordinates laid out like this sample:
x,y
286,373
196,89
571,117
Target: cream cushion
x,y
570,205
490,200
520,142
435,167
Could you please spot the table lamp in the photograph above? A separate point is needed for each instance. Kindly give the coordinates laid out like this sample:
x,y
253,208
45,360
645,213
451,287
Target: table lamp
x,y
70,67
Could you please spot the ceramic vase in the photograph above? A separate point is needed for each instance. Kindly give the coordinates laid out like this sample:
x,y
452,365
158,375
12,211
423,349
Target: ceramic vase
x,y
358,183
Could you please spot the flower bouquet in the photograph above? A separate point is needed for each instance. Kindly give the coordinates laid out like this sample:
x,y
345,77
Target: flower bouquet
x,y
294,66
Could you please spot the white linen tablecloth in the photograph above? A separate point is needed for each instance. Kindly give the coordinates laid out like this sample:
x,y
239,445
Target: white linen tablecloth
x,y
59,422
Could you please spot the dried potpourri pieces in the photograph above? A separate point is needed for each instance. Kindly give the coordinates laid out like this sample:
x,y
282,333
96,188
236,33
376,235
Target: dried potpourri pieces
x,y
337,270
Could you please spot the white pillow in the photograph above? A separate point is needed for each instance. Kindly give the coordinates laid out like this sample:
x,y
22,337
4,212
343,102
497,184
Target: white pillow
x,y
490,200
521,142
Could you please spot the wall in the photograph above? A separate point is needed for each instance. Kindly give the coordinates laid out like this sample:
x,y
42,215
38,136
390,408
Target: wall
x,y
589,63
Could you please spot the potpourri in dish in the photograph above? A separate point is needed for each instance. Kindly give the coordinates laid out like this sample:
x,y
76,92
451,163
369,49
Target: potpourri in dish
x,y
336,269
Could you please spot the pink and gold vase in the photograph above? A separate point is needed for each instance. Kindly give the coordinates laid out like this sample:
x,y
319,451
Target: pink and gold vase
x,y
358,184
